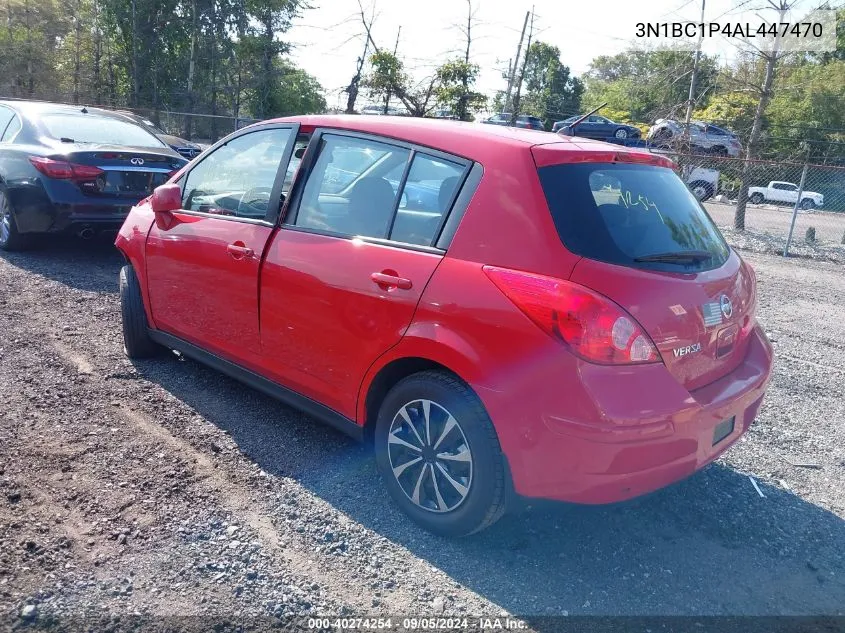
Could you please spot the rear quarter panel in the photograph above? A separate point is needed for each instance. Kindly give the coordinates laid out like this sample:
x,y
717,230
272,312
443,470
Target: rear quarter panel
x,y
131,240
466,324
508,222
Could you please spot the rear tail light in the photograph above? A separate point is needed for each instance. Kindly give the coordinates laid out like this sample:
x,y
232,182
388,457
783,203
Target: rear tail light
x,y
63,170
593,326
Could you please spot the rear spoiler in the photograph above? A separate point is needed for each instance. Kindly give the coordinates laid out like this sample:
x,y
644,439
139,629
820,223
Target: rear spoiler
x,y
562,153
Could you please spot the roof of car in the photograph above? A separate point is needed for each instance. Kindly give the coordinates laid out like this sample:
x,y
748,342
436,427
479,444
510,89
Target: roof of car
x,y
471,140
40,107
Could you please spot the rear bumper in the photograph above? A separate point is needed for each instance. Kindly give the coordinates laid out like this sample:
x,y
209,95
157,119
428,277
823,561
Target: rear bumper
x,y
37,211
651,432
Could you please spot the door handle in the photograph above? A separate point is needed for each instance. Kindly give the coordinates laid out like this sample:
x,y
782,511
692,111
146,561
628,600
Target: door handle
x,y
385,281
239,250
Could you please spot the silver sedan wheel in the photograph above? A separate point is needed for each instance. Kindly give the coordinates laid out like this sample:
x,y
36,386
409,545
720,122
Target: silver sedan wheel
x,y
5,218
430,456
620,133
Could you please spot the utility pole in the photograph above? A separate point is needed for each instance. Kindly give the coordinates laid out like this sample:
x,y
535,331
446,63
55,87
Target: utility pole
x,y
395,50
515,112
512,71
694,77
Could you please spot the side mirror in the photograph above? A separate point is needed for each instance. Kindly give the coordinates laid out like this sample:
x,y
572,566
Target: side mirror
x,y
166,198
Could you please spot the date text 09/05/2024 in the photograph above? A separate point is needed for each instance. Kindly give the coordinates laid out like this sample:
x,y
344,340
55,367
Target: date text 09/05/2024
x,y
419,624
729,29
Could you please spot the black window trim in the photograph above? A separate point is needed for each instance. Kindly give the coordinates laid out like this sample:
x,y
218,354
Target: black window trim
x,y
273,209
446,229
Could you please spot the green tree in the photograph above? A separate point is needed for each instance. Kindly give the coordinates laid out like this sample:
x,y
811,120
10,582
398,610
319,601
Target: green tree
x,y
454,88
552,93
295,92
648,84
387,76
735,110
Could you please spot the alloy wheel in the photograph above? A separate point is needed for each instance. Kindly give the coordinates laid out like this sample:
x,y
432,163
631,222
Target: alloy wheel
x,y
430,456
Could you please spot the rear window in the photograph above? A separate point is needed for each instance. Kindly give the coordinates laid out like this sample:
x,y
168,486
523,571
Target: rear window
x,y
624,214
87,128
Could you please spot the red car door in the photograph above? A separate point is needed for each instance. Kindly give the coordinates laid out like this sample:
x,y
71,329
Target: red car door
x,y
203,261
343,276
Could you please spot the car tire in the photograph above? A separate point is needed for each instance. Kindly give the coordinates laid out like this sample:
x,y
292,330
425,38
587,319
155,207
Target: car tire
x,y
621,133
702,190
136,336
456,495
10,238
807,204
756,198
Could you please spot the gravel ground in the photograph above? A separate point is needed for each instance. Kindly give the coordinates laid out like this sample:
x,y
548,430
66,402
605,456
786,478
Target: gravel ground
x,y
775,220
164,488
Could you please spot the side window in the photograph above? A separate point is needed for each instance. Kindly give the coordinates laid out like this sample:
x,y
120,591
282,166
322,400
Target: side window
x,y
12,129
237,178
5,116
428,194
349,190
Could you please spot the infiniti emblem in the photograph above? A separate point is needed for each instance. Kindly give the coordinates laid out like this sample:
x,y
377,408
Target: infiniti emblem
x,y
137,161
726,306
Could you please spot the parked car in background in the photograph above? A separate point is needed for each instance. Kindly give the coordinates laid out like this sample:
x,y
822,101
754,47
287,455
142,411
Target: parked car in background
x,y
73,169
377,302
188,149
785,193
598,127
444,113
703,182
522,121
378,110
704,137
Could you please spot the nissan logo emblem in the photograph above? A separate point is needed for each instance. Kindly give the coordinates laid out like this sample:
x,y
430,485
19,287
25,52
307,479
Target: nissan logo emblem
x,y
137,161
726,306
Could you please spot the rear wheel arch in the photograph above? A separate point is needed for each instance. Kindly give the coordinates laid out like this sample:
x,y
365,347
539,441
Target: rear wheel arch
x,y
389,375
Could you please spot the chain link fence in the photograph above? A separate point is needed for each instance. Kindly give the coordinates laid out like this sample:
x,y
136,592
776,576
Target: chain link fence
x,y
815,192
199,128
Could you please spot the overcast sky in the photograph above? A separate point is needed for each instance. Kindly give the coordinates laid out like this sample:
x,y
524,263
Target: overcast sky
x,y
328,39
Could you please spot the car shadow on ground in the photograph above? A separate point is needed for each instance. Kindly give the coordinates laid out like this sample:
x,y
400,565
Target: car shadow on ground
x,y
708,545
91,265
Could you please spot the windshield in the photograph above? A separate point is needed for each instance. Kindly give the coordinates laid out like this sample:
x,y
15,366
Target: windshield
x,y
89,128
623,214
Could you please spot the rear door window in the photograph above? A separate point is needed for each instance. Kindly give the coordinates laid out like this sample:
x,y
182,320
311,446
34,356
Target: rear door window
x,y
429,191
348,191
632,215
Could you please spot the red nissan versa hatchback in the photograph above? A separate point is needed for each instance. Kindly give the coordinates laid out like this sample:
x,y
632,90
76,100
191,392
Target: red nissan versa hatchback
x,y
498,310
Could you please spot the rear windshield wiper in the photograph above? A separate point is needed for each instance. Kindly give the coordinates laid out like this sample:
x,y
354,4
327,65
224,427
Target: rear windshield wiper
x,y
680,257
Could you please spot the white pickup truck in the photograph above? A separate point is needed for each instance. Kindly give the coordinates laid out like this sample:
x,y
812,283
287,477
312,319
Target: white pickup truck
x,y
784,192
